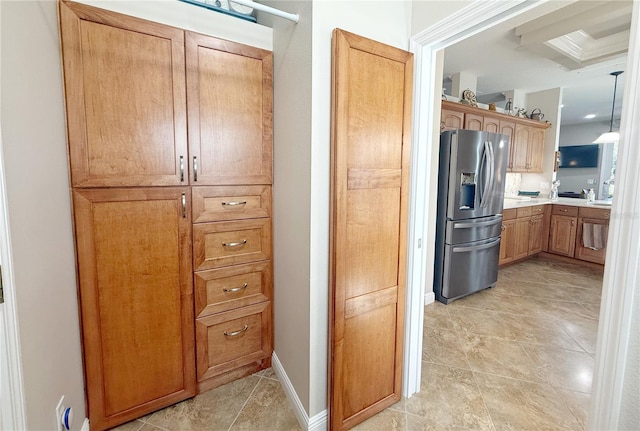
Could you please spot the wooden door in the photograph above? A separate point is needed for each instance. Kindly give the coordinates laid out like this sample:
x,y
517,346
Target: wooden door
x,y
507,241
509,128
473,121
229,93
125,99
522,238
451,120
562,238
136,300
536,150
586,253
491,125
370,148
536,229
520,148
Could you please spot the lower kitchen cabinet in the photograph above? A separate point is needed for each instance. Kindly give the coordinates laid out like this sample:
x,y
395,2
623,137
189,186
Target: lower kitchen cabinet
x,y
598,220
562,231
136,300
536,234
507,241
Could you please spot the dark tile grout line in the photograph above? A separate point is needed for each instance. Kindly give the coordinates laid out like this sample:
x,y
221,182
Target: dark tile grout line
x,y
245,402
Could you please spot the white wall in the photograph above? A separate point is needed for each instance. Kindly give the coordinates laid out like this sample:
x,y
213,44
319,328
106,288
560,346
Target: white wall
x,y
39,212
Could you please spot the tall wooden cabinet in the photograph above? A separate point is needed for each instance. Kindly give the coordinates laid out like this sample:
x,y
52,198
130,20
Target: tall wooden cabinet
x,y
138,178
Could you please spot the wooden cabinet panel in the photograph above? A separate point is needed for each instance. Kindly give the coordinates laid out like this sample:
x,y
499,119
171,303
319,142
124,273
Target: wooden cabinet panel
x,y
229,89
507,242
566,210
451,120
589,254
232,287
522,228
562,235
491,125
520,148
509,214
230,243
473,122
509,128
535,150
536,230
227,341
136,300
125,99
223,203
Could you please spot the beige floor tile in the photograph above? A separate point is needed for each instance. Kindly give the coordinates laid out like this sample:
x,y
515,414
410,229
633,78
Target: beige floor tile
x,y
267,409
443,346
578,403
519,405
449,399
400,406
437,316
386,420
269,374
500,357
135,425
583,331
212,410
564,369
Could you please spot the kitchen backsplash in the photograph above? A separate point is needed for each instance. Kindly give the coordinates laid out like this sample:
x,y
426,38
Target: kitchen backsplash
x,y
512,184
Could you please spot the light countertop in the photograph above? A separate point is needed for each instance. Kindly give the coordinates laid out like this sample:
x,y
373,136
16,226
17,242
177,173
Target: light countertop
x,y
518,203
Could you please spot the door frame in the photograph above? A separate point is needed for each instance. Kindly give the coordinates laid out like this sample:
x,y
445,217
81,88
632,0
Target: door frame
x,y
623,253
12,407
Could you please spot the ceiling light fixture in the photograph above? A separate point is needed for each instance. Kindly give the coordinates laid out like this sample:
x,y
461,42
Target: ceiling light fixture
x,y
611,136
590,116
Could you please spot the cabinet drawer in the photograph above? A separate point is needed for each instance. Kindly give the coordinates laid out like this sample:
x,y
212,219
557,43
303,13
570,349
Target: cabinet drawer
x,y
564,210
230,203
536,210
509,214
230,243
224,289
226,341
523,212
599,213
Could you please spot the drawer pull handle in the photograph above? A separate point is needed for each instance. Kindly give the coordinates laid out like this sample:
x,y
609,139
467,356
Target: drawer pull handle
x,y
234,289
236,333
233,204
184,205
195,168
234,244
181,169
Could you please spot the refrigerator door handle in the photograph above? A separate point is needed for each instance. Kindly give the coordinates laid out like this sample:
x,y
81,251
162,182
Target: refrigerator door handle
x,y
492,168
493,221
485,165
475,247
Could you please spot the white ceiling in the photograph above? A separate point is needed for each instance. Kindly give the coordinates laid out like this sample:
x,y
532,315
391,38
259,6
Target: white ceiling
x,y
503,61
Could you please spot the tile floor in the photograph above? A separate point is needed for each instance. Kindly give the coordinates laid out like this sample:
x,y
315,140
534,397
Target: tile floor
x,y
515,357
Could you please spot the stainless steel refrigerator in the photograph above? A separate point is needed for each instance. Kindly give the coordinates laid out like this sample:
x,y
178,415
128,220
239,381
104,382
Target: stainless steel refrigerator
x,y
471,183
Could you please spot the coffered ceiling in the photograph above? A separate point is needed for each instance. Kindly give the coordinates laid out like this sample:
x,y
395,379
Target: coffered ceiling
x,y
568,44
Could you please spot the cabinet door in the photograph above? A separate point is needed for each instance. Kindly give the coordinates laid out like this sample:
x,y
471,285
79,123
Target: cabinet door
x,y
229,93
491,125
473,121
522,238
562,236
520,148
370,149
451,120
136,300
586,253
536,229
509,128
535,149
125,99
507,241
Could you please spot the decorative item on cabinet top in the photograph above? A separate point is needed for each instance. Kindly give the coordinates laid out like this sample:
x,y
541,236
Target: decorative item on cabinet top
x,y
224,6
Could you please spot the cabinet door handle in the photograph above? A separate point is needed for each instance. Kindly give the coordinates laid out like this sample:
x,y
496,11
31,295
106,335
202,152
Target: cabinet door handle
x,y
503,228
236,333
233,204
195,168
573,223
181,169
184,205
234,244
234,289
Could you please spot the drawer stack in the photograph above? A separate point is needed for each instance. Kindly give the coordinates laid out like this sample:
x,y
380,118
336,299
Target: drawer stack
x,y
233,281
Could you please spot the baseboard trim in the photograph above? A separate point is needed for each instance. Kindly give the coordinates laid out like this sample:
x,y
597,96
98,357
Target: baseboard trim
x,y
317,422
85,425
429,297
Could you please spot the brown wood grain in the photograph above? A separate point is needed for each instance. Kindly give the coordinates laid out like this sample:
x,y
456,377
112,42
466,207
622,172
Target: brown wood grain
x,y
451,120
370,148
221,203
230,111
562,236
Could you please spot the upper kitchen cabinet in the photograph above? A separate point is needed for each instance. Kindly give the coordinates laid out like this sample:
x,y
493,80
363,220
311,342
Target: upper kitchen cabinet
x,y
126,100
229,93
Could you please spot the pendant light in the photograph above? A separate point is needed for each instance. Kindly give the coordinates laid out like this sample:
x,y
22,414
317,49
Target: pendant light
x,y
611,137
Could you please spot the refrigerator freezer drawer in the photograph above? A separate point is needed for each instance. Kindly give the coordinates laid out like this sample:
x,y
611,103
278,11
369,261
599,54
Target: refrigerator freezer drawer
x,y
470,230
469,267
